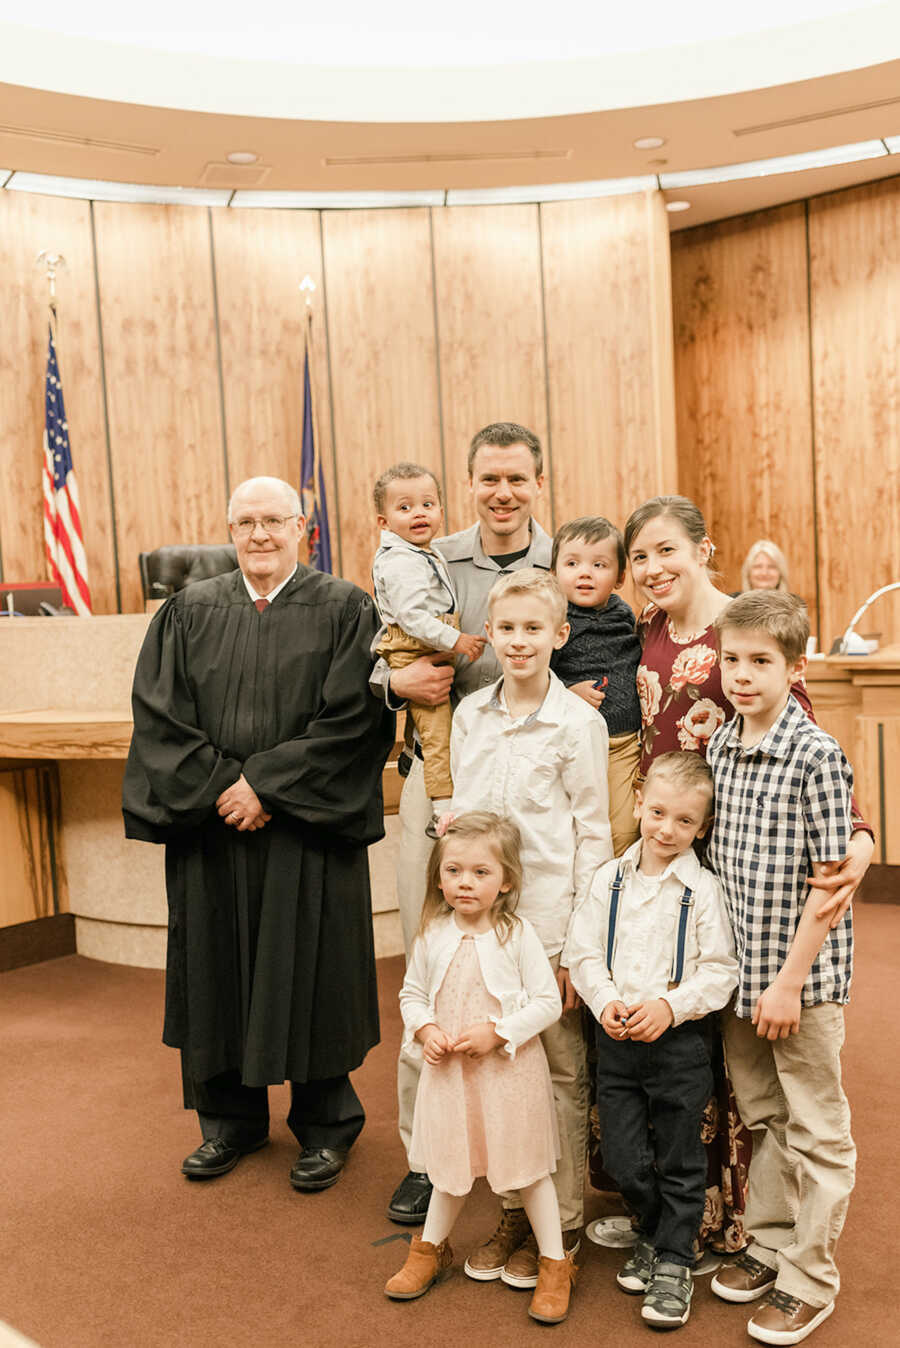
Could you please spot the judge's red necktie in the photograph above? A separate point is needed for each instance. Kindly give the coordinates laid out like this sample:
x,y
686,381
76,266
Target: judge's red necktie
x,y
261,604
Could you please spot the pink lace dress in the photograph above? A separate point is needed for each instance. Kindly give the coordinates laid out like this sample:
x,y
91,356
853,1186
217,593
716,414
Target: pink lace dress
x,y
491,1116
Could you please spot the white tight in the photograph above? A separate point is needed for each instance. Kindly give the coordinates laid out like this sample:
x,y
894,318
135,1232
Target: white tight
x,y
538,1200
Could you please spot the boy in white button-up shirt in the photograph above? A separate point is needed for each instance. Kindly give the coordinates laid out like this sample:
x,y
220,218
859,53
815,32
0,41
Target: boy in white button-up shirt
x,y
652,954
527,748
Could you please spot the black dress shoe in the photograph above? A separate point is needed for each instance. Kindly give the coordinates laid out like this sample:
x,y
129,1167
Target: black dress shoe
x,y
318,1168
216,1157
409,1201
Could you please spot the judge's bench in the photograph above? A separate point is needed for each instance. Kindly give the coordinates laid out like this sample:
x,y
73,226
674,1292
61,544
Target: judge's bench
x,y
72,881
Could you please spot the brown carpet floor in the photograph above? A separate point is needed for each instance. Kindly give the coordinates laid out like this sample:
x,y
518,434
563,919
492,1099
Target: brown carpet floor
x,y
104,1242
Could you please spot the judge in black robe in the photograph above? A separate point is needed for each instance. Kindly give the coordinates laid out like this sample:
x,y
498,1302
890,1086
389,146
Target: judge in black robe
x,y
270,971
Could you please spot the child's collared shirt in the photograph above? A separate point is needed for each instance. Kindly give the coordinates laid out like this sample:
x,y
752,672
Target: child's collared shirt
x,y
646,935
780,806
546,772
412,588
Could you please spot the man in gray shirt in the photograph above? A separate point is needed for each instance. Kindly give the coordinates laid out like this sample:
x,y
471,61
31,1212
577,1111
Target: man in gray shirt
x,y
506,476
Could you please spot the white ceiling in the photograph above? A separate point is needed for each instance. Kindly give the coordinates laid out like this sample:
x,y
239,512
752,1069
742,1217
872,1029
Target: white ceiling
x,y
402,60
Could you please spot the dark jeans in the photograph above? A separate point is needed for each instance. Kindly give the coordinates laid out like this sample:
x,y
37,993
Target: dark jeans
x,y
325,1113
650,1101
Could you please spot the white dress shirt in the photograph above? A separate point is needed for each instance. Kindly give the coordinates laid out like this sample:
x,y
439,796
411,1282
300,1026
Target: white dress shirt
x,y
646,935
547,772
272,593
516,972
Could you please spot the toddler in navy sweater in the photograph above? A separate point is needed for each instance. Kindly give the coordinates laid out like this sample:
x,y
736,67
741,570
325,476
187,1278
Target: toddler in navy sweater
x,y
600,659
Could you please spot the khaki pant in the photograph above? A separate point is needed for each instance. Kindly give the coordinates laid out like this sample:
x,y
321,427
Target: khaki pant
x,y
790,1096
563,1042
432,723
624,760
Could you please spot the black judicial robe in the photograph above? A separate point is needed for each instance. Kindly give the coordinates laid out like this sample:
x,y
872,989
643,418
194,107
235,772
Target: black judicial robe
x,y
270,965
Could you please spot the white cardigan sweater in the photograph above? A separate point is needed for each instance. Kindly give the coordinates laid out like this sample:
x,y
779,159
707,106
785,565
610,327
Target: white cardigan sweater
x,y
517,972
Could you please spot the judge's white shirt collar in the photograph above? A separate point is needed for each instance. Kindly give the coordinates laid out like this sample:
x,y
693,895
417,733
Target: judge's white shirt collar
x,y
272,593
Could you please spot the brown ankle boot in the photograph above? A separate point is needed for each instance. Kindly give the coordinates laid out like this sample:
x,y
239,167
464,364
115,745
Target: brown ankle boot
x,y
556,1277
424,1265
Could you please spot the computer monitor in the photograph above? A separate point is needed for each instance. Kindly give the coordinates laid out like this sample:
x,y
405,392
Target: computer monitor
x,y
27,597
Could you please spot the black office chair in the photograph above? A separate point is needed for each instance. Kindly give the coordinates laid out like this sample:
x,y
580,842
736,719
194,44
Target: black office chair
x,y
167,570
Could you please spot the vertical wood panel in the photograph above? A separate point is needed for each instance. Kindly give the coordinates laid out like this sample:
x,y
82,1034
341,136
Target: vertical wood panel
x,y
29,224
609,346
26,829
742,377
490,326
855,291
378,273
261,257
156,305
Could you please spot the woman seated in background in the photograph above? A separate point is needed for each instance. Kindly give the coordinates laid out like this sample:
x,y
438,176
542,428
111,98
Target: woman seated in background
x,y
765,567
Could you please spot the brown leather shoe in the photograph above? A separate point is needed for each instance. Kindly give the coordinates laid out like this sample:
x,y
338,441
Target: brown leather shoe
x,y
785,1319
486,1261
744,1280
521,1268
425,1263
556,1278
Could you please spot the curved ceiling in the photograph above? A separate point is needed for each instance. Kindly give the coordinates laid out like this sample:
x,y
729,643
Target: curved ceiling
x,y
471,62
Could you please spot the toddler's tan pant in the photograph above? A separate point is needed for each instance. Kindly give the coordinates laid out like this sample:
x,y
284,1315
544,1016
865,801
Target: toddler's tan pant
x,y
432,723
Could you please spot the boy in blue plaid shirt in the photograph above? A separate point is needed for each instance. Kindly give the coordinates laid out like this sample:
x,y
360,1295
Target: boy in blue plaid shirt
x,y
782,800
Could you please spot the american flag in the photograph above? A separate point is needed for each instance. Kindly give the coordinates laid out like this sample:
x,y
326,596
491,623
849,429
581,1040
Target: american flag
x,y
312,485
63,539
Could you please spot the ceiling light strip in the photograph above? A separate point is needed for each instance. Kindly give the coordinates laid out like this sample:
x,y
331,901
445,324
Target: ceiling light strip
x,y
763,168
892,144
90,190
5,175
336,200
606,187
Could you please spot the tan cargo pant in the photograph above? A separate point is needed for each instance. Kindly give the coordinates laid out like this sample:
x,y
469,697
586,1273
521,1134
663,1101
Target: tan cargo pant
x,y
432,723
790,1096
563,1042
624,760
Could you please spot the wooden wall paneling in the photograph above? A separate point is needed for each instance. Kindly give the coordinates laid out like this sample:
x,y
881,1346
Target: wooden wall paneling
x,y
28,821
156,304
604,357
854,242
491,336
744,412
607,297
378,273
261,256
28,224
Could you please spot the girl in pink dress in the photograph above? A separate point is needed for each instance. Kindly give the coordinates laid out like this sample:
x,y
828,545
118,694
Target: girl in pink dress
x,y
669,551
478,991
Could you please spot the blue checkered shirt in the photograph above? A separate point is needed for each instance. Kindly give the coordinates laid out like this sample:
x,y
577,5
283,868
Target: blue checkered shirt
x,y
780,806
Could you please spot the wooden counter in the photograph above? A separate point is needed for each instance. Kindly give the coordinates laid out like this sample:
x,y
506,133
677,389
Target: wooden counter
x,y
857,699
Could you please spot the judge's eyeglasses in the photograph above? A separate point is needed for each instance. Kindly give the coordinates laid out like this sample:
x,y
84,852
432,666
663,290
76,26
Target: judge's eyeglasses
x,y
270,524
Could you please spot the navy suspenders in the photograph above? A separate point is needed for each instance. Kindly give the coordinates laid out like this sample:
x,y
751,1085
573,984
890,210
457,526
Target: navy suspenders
x,y
685,905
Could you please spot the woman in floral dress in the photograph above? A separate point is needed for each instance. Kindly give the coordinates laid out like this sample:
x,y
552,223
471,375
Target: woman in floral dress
x,y
682,703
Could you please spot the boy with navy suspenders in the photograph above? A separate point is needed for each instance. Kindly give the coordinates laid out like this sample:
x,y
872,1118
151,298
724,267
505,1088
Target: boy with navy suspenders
x,y
651,953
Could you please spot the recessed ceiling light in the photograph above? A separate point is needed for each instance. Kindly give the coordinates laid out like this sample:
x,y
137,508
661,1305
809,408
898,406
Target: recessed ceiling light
x,y
678,205
242,157
649,142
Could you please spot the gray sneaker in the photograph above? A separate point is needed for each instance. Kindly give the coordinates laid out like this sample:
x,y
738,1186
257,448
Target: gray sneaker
x,y
667,1301
637,1269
